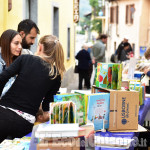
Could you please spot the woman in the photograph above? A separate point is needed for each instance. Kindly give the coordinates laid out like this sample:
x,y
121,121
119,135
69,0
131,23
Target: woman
x,y
10,50
122,53
37,77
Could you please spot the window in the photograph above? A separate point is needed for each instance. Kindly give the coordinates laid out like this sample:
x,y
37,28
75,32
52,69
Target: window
x,y
114,14
130,9
68,43
56,21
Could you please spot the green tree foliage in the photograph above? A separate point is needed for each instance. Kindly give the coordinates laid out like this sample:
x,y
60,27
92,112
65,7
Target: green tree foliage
x,y
96,23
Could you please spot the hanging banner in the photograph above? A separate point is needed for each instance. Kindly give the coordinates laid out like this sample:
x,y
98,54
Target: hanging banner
x,y
76,11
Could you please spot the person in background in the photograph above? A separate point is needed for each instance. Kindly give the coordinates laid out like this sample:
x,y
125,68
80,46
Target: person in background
x,y
84,58
147,70
121,46
90,62
10,49
98,50
38,79
121,53
28,31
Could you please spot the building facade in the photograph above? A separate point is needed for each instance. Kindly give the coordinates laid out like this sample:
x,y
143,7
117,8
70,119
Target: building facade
x,y
131,19
52,17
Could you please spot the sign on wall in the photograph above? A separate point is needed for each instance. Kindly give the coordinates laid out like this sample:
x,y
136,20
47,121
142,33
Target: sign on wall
x,y
142,50
76,11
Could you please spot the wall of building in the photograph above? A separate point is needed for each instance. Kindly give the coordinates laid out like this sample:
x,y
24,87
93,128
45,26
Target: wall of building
x,y
45,23
144,32
118,32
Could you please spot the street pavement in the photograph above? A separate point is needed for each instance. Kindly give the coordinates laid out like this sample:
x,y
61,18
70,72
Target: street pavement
x,y
73,85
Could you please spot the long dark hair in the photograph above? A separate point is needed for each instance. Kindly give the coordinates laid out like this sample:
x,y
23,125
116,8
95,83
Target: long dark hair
x,y
5,41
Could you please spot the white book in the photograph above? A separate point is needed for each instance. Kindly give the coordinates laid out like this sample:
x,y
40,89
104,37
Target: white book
x,y
57,130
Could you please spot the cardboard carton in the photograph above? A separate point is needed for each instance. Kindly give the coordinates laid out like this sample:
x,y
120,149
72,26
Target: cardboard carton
x,y
124,108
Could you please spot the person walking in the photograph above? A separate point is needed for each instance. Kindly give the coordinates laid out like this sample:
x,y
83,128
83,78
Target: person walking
x,y
10,49
38,79
98,50
28,31
83,58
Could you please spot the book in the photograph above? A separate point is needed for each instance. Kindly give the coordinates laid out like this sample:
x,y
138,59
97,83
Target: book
x,y
98,110
79,101
58,130
62,112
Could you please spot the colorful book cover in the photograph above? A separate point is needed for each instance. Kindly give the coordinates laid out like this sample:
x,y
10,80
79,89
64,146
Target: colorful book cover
x,y
116,76
60,113
98,110
102,72
119,83
109,77
79,101
140,90
56,113
72,113
65,117
51,113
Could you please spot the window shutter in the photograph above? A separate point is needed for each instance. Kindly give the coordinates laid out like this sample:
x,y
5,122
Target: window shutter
x,y
111,14
127,14
117,14
131,13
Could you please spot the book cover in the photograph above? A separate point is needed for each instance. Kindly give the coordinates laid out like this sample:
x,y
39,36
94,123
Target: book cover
x,y
98,110
102,73
109,78
79,101
114,76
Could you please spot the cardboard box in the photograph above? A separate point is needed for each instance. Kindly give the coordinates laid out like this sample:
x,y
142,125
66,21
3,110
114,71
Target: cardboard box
x,y
124,109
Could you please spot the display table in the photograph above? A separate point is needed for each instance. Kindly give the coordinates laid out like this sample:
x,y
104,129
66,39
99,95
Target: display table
x,y
130,135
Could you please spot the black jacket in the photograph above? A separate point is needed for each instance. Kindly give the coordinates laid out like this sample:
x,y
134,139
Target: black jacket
x,y
32,85
84,59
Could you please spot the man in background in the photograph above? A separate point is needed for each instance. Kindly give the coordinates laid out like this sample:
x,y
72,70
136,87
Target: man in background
x,y
28,31
98,50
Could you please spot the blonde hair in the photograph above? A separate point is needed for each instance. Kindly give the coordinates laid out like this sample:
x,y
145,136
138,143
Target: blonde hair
x,y
53,50
147,53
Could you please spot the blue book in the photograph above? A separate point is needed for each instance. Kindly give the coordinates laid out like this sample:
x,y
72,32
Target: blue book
x,y
98,110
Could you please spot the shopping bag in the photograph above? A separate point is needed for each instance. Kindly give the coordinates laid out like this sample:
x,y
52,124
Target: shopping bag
x,y
76,70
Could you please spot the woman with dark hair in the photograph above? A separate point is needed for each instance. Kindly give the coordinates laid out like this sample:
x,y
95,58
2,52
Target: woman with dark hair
x,y
38,79
10,49
122,54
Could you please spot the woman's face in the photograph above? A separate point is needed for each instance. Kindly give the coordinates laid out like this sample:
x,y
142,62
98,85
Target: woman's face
x,y
15,45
